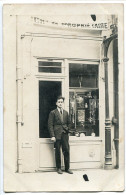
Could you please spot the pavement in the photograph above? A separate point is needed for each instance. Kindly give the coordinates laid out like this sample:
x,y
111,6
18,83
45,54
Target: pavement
x,y
99,180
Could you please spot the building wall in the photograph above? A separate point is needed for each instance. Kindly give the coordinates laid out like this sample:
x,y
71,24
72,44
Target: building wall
x,y
10,98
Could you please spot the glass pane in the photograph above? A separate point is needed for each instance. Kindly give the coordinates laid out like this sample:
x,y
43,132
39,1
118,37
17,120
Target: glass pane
x,y
50,67
83,75
84,113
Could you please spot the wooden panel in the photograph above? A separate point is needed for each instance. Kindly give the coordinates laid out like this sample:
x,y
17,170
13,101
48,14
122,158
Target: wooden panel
x,y
28,156
81,153
46,155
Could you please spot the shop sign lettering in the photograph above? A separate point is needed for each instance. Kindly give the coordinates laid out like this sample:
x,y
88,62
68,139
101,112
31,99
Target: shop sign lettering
x,y
91,26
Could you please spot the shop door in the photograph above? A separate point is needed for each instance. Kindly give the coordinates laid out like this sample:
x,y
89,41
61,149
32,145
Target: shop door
x,y
48,92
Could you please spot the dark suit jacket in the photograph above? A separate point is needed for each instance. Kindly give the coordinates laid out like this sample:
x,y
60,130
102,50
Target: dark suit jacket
x,y
54,123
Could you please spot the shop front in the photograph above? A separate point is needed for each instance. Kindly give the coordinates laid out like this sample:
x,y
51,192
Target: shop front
x,y
53,61
80,88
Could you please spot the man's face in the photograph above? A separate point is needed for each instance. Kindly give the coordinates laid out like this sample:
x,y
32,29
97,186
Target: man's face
x,y
59,103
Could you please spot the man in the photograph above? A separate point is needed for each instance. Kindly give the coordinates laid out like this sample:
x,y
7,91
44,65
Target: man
x,y
58,125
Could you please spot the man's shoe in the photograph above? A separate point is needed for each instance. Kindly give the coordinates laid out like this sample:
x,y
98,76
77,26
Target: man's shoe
x,y
59,171
69,171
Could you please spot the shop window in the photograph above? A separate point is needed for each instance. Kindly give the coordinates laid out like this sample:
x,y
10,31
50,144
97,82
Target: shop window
x,y
49,67
84,100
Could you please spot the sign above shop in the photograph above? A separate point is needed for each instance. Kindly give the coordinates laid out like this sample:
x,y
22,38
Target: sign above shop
x,y
89,26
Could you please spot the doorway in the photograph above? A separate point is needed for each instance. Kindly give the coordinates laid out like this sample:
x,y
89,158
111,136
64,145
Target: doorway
x,y
48,92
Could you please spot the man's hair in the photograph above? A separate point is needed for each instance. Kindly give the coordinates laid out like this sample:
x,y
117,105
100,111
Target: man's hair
x,y
60,97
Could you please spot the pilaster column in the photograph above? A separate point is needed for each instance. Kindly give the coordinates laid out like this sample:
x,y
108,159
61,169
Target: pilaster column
x,y
108,152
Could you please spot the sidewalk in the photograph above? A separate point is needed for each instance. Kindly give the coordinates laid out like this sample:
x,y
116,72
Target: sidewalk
x,y
99,180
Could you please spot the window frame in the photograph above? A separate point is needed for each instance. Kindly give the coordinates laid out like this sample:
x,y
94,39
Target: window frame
x,y
49,73
84,89
88,63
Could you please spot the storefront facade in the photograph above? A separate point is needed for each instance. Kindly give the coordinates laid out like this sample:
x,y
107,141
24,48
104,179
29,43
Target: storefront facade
x,y
53,60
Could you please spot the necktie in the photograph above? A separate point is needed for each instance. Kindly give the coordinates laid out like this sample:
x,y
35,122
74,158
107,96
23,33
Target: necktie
x,y
61,115
60,111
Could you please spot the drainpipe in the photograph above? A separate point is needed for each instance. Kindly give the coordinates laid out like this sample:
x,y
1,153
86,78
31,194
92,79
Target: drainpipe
x,y
19,114
19,117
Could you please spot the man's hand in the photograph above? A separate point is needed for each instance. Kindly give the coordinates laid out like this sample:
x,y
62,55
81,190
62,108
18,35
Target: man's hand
x,y
53,139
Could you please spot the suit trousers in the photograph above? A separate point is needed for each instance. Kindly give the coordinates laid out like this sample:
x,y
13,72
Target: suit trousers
x,y
64,143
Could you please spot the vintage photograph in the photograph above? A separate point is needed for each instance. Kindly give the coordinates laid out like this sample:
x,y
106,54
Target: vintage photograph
x,y
63,97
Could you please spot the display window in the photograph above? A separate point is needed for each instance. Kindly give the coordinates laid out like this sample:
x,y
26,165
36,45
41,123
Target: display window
x,y
84,99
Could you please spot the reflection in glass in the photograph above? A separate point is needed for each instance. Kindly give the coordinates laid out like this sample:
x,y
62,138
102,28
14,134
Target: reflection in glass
x,y
83,75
